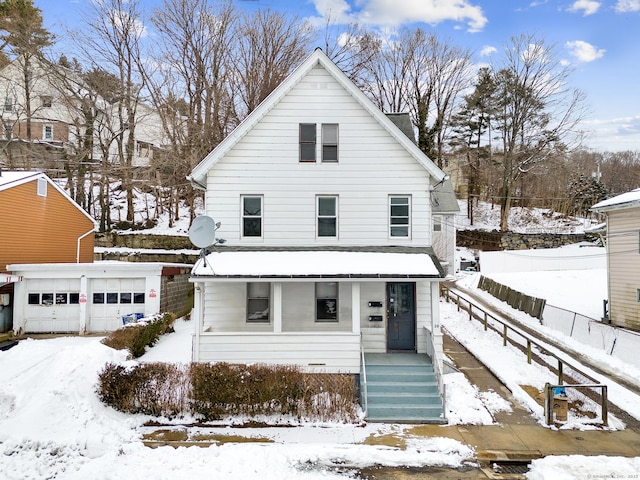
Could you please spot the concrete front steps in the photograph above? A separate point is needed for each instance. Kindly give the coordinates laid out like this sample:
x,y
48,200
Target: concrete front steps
x,y
403,394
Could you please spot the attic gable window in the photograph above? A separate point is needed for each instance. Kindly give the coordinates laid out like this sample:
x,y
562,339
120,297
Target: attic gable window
x,y
329,142
8,104
46,100
42,187
307,142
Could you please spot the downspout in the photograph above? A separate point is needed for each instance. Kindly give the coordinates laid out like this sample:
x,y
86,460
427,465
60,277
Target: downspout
x,y
79,239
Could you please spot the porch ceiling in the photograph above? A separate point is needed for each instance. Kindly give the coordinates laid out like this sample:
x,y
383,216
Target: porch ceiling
x,y
308,264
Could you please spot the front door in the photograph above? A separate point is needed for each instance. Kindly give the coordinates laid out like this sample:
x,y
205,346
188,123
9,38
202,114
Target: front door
x,y
401,324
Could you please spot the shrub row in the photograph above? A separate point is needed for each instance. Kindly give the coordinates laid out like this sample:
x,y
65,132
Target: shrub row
x,y
215,391
137,336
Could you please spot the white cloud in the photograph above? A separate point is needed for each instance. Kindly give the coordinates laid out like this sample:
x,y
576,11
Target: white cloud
x,y
628,6
587,7
487,50
337,11
394,13
584,51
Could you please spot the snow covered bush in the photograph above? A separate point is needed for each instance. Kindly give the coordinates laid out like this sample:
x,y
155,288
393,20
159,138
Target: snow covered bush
x,y
136,337
215,391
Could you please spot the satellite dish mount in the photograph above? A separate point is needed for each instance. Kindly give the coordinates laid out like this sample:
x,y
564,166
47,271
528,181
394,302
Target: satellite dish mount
x,y
202,234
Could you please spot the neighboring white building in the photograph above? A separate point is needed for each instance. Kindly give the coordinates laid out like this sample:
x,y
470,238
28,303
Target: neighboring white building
x,y
623,257
325,206
95,297
56,118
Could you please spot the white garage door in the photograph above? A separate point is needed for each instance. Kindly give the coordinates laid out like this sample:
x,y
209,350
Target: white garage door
x,y
111,299
52,305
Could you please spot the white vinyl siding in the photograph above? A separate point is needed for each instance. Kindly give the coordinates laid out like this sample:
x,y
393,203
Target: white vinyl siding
x,y
624,267
372,165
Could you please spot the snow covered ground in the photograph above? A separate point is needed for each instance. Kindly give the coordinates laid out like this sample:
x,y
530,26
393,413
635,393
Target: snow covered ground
x,y
53,426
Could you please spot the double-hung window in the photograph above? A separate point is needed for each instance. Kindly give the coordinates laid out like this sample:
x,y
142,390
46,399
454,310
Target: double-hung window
x,y
307,142
47,132
400,216
251,215
329,142
258,296
437,223
327,302
327,208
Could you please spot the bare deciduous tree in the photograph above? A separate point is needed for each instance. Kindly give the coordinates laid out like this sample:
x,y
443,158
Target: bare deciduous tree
x,y
537,111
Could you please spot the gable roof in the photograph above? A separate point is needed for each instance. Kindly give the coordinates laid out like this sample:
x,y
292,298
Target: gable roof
x,y
626,200
10,179
199,173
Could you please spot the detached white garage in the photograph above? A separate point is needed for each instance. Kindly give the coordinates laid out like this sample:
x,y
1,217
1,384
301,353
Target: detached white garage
x,y
96,297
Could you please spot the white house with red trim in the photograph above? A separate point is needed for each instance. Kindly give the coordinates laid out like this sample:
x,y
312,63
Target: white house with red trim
x,y
325,206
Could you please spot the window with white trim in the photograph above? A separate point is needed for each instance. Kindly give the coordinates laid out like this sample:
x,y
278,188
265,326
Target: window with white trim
x,y
307,142
329,142
258,302
400,216
327,215
47,132
327,302
46,100
251,215
42,187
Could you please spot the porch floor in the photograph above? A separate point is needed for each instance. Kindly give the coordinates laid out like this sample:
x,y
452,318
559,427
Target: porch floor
x,y
397,358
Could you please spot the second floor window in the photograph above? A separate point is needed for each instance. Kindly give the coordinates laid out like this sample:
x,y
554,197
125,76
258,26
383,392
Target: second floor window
x,y
251,216
327,216
400,217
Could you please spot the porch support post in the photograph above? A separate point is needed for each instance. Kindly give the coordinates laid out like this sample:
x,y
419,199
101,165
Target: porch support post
x,y
198,307
436,330
355,307
277,307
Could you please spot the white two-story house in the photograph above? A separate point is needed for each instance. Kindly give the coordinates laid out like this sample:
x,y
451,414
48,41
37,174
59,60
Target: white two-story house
x,y
326,212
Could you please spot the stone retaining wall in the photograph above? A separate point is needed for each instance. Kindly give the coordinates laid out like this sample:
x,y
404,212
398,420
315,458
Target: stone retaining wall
x,y
495,241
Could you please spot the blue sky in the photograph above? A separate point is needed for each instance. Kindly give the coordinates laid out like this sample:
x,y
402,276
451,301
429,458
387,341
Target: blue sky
x,y
600,39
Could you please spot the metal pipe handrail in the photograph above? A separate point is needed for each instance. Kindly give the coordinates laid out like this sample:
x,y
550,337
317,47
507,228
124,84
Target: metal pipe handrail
x,y
363,377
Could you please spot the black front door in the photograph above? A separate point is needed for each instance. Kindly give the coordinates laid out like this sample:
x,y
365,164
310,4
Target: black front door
x,y
401,315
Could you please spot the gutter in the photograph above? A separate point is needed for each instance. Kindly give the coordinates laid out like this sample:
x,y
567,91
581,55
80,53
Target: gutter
x,y
79,239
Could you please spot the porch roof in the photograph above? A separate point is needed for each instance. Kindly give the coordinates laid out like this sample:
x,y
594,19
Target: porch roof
x,y
313,263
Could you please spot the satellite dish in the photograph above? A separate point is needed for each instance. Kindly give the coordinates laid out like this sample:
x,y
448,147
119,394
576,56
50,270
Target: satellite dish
x,y
202,232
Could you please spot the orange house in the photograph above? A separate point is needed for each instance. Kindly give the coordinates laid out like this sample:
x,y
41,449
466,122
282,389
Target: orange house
x,y
40,223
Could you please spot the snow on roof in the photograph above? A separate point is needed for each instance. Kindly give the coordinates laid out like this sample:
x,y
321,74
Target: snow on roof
x,y
628,199
10,179
301,264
